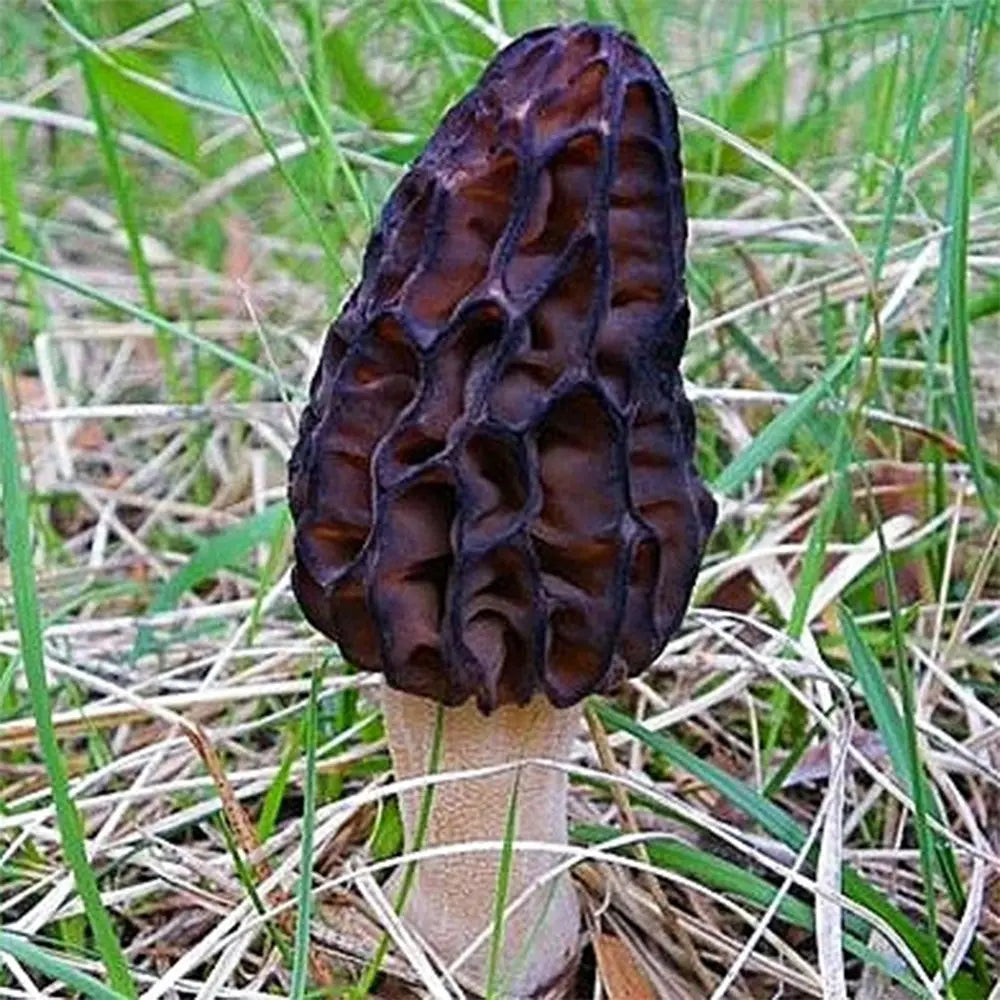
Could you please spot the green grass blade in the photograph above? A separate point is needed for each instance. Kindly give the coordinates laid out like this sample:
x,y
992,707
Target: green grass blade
x,y
310,736
248,880
886,716
773,438
268,819
214,554
808,579
56,969
363,94
708,870
915,106
770,816
217,552
17,533
7,681
120,185
10,205
122,190
502,891
126,79
320,90
899,732
954,261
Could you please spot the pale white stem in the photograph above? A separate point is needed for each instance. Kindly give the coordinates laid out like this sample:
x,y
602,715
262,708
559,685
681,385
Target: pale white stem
x,y
453,898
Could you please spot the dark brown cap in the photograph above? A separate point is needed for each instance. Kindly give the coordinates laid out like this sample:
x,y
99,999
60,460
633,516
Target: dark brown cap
x,y
493,486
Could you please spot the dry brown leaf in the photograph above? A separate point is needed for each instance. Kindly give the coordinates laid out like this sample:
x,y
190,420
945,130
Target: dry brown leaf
x,y
621,975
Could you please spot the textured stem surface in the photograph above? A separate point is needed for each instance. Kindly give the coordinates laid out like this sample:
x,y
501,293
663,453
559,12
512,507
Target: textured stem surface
x,y
452,899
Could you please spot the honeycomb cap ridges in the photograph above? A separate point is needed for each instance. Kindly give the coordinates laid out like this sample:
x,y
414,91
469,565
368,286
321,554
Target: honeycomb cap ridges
x,y
493,487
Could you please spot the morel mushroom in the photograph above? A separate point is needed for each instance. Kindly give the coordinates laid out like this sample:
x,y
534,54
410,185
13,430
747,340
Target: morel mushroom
x,y
493,488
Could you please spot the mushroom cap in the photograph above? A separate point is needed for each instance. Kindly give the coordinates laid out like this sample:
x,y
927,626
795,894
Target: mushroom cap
x,y
493,488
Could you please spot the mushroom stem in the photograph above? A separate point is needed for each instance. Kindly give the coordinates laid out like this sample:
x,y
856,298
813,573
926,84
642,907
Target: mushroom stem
x,y
453,898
